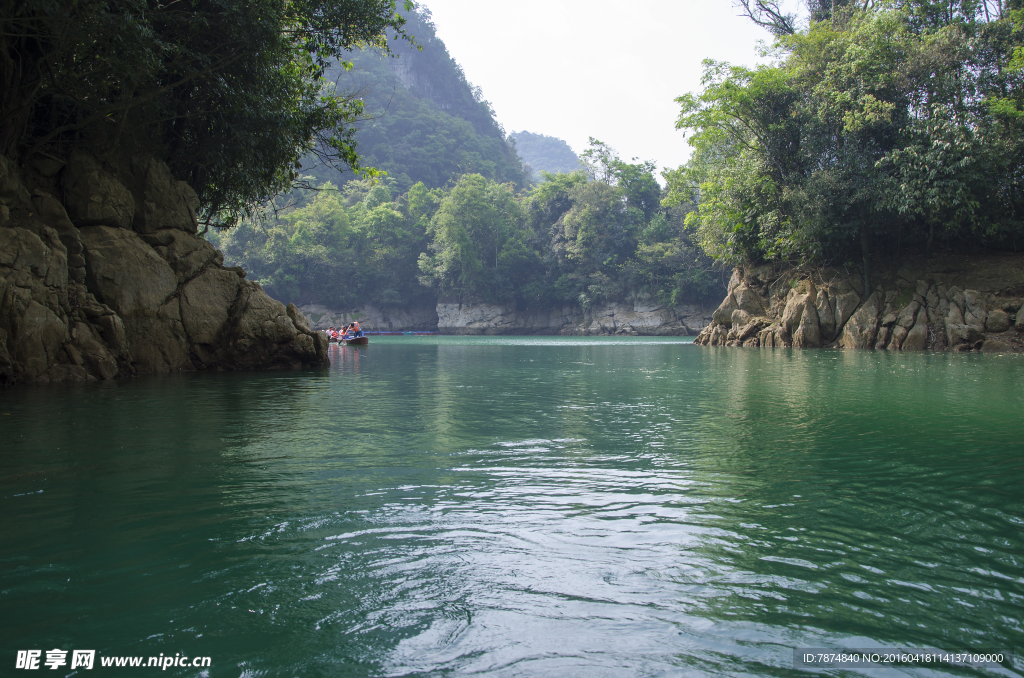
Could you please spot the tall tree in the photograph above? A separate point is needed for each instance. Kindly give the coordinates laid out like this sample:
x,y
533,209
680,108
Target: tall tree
x,y
880,131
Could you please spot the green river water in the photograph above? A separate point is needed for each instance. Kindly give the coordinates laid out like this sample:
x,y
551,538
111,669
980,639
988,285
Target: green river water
x,y
506,506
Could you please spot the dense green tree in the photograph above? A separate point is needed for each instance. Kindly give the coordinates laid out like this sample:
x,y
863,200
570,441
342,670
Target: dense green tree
x,y
474,224
572,239
230,92
881,130
341,248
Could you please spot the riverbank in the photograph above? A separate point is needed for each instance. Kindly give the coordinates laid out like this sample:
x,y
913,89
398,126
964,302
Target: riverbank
x,y
947,302
639,317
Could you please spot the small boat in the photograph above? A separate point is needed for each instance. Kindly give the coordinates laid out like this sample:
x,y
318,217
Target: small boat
x,y
356,341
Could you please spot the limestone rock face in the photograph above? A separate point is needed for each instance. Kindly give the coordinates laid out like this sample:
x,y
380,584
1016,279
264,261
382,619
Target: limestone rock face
x,y
741,318
94,196
160,201
862,327
723,314
974,309
372,318
996,346
633,317
846,304
196,315
925,306
997,320
917,337
88,349
748,300
808,332
186,255
83,297
52,212
826,311
259,332
37,306
124,272
796,302
128,276
630,318
205,304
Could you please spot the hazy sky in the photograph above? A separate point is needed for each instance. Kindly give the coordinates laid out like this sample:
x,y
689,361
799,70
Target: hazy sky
x,y
608,69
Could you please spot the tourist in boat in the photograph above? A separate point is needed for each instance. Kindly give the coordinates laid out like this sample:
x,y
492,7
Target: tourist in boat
x,y
356,330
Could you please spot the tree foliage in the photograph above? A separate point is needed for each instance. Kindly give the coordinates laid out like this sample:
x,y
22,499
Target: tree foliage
x,y
230,92
340,248
883,128
582,237
573,239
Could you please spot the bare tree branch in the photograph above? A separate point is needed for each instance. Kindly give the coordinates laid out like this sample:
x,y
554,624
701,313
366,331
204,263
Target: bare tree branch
x,y
768,14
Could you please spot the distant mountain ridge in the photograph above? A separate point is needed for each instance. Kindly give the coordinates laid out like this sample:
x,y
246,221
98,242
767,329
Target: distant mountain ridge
x,y
545,154
426,121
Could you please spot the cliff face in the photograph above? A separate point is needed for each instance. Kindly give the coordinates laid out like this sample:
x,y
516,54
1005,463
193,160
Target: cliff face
x,y
372,318
110,279
944,303
634,318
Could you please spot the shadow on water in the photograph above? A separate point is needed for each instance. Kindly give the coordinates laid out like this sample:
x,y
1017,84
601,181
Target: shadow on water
x,y
451,506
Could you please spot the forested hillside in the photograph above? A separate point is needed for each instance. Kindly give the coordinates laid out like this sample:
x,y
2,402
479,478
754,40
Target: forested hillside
x,y
577,238
231,95
456,217
426,122
542,153
882,130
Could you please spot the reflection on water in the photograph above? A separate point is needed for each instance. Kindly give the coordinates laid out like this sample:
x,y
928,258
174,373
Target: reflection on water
x,y
521,507
344,358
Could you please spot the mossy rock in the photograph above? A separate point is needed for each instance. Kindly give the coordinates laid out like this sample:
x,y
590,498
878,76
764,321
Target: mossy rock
x,y
903,297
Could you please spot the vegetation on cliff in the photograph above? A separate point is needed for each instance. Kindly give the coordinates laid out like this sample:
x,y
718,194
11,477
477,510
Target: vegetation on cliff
x,y
579,238
424,121
230,93
545,154
881,129
456,217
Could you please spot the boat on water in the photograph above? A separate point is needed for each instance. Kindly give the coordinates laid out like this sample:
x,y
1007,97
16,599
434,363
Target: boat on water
x,y
351,341
365,339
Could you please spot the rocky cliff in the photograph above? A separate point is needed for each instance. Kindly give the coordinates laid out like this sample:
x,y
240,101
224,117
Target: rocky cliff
x,y
944,303
373,319
102,274
635,318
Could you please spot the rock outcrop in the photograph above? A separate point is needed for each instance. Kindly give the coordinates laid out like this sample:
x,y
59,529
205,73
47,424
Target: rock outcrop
x,y
112,280
634,318
372,318
944,303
